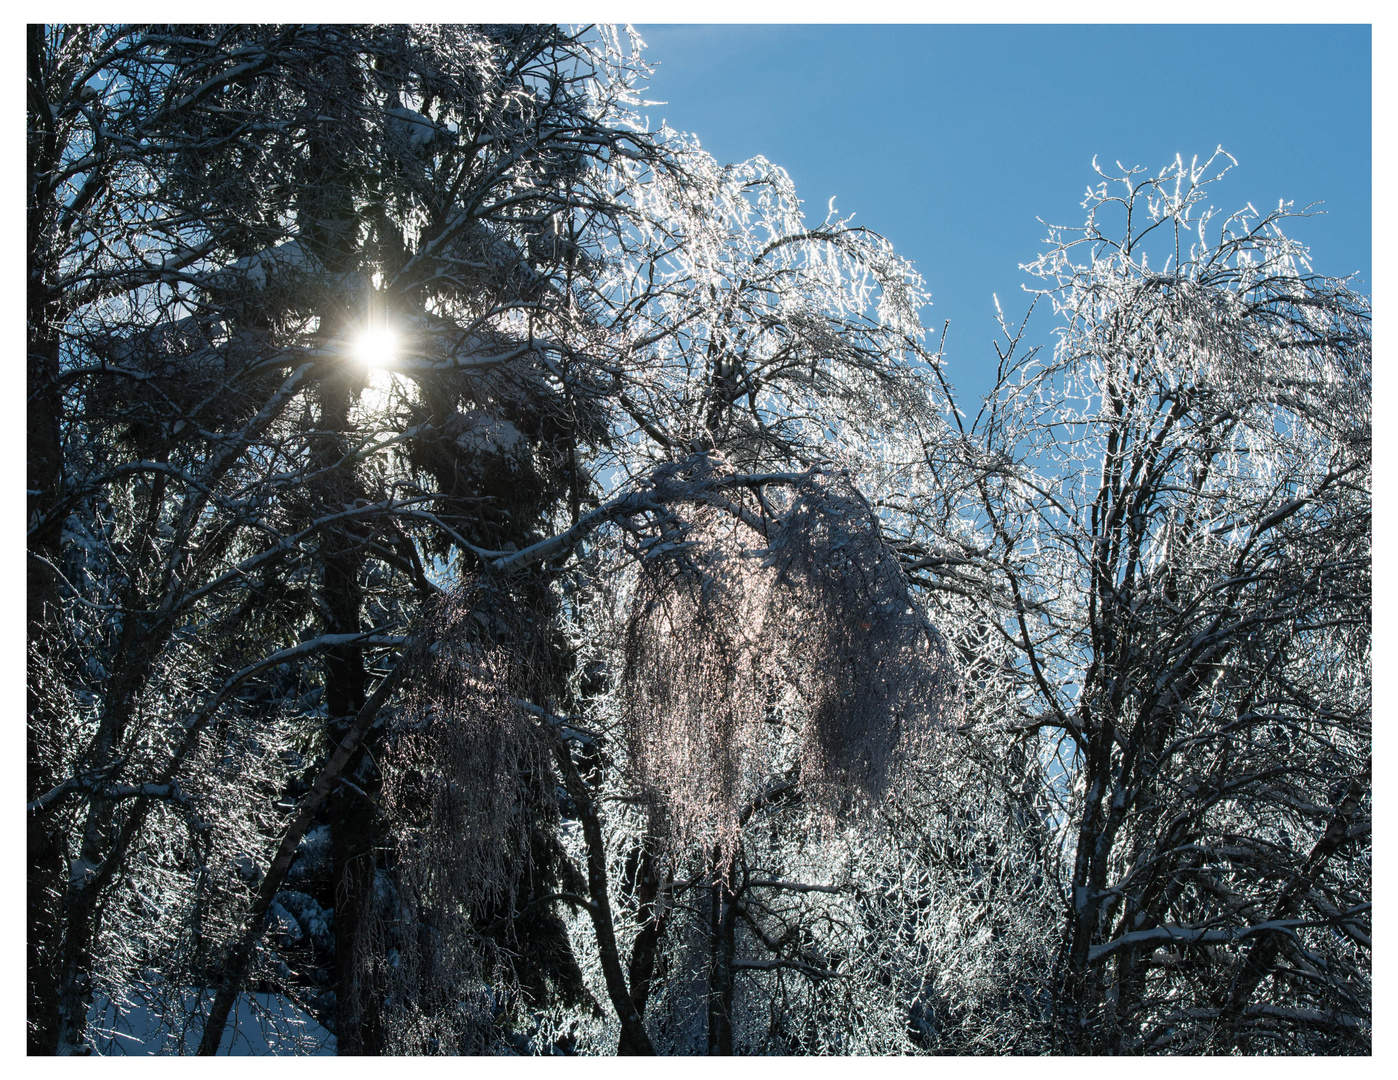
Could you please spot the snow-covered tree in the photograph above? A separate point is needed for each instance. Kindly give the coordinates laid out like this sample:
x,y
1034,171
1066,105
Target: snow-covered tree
x,y
1173,522
221,487
238,519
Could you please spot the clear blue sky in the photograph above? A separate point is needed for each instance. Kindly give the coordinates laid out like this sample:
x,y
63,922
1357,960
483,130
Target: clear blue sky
x,y
952,140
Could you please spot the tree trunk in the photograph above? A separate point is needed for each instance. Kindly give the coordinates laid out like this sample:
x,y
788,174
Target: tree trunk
x,y
45,882
351,814
722,926
651,917
634,1039
358,1026
236,964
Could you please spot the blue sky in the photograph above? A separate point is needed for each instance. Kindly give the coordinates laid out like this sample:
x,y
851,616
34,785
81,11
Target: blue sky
x,y
953,140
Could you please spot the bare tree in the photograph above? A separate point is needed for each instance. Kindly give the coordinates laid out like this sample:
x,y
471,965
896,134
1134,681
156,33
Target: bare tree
x,y
1175,519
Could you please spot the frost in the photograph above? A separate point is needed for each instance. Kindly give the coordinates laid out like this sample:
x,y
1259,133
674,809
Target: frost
x,y
312,854
304,917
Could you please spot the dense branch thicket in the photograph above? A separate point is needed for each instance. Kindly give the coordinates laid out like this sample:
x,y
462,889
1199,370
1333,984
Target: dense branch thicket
x,y
640,652
1174,514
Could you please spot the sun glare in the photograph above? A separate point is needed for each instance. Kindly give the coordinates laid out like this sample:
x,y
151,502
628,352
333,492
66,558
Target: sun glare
x,y
376,346
380,391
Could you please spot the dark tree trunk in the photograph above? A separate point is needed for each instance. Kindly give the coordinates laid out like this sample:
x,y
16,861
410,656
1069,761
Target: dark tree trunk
x,y
722,925
46,855
634,1039
651,917
44,893
358,1028
351,813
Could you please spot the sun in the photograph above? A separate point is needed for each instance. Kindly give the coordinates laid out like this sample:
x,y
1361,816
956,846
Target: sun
x,y
375,346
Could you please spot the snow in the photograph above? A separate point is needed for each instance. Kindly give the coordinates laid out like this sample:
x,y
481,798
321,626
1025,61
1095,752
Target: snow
x,y
486,434
297,916
256,269
288,256
412,127
261,1024
313,853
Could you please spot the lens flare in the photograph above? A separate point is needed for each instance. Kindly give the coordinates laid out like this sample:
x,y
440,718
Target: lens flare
x,y
376,346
